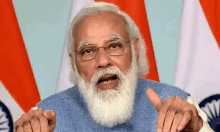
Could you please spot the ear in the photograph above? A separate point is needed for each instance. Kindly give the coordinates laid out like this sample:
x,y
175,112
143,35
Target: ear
x,y
72,61
137,47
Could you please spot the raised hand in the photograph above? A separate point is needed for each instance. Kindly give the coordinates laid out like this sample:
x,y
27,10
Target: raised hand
x,y
36,121
175,114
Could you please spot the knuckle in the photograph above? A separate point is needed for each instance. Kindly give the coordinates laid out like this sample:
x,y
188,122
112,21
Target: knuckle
x,y
24,116
171,112
53,113
19,129
42,119
179,99
18,122
189,112
21,120
162,111
25,123
187,107
16,127
31,113
193,108
38,112
178,116
34,119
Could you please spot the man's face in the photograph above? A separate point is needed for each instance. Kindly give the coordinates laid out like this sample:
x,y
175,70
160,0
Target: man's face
x,y
109,102
99,31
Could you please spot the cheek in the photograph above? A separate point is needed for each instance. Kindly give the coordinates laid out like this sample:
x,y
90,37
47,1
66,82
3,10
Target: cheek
x,y
85,70
124,62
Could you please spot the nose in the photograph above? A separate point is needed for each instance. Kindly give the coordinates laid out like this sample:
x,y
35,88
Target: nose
x,y
103,59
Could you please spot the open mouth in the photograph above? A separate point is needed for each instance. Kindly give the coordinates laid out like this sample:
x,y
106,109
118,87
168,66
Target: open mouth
x,y
108,81
107,78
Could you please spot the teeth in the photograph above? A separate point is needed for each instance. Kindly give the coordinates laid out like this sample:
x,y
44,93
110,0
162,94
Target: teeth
x,y
107,81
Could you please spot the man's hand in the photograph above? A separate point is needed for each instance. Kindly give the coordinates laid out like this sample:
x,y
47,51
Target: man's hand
x,y
36,121
175,114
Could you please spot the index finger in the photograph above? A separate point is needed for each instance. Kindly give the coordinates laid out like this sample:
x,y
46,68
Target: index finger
x,y
154,98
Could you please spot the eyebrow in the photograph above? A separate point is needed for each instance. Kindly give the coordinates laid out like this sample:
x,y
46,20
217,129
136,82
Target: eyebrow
x,y
113,37
83,44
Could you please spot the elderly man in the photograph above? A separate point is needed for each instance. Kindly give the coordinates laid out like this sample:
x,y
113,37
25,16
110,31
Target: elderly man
x,y
107,56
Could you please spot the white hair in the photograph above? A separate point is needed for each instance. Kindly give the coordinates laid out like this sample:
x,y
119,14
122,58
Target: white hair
x,y
132,29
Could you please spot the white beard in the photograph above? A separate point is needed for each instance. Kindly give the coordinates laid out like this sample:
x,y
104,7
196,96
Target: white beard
x,y
114,106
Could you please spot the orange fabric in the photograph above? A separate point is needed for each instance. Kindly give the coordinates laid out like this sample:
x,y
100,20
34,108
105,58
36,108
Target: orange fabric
x,y
211,9
136,9
15,69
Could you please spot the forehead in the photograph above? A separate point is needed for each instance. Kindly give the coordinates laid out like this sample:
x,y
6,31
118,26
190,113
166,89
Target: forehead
x,y
99,27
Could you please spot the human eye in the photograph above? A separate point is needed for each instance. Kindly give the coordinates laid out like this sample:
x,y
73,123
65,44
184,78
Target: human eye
x,y
115,46
87,51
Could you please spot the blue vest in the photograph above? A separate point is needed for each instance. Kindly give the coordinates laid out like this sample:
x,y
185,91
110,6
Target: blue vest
x,y
72,114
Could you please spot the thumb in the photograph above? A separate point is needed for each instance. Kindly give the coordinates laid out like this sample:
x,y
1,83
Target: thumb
x,y
154,98
51,117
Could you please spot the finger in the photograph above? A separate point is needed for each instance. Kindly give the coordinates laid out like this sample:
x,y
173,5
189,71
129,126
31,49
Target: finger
x,y
19,129
176,121
21,120
185,120
35,124
168,120
193,109
35,113
51,117
170,115
162,113
50,114
154,98
178,103
43,123
27,126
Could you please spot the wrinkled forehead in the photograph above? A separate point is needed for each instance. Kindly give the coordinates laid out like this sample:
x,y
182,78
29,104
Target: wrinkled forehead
x,y
106,23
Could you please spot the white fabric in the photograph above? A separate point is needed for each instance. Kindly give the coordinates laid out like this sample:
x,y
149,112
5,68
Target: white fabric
x,y
64,82
198,62
14,109
205,127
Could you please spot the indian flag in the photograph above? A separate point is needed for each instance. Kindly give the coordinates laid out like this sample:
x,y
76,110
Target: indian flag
x,y
198,60
18,90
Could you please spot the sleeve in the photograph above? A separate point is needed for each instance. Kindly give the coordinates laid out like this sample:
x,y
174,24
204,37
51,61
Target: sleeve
x,y
205,127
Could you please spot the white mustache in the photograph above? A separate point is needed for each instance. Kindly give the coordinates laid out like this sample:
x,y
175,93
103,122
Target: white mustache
x,y
104,72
